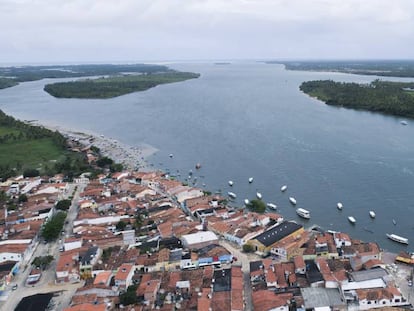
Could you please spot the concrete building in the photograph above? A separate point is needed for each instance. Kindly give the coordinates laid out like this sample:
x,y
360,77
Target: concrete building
x,y
199,239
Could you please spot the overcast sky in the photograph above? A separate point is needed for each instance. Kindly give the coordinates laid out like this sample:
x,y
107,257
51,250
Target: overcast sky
x,y
155,30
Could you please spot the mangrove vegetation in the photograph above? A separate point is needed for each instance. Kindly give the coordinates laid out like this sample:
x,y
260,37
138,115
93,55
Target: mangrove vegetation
x,y
108,87
393,98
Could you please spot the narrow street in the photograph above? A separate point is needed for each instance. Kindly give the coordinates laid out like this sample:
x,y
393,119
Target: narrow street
x,y
244,259
46,283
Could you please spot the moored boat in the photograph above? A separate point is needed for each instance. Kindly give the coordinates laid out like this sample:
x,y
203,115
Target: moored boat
x,y
272,206
230,183
283,189
246,201
259,195
303,213
351,219
292,200
198,166
372,214
403,122
232,195
397,238
339,205
250,180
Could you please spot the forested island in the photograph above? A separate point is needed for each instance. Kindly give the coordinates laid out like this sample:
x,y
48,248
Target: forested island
x,y
393,98
386,68
113,86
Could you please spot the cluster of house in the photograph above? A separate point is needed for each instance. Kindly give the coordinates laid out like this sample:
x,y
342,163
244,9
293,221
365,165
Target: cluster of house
x,y
147,242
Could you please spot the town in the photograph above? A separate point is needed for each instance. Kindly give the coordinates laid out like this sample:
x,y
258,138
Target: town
x,y
135,240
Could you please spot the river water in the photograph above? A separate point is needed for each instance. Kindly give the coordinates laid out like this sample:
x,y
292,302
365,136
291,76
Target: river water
x,y
249,119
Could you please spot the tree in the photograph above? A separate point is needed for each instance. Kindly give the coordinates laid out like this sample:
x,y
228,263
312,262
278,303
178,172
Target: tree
x,y
42,261
53,226
63,205
120,225
105,161
129,297
22,198
31,172
247,248
257,206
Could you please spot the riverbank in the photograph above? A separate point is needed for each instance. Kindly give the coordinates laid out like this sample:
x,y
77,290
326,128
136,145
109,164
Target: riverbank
x,y
131,157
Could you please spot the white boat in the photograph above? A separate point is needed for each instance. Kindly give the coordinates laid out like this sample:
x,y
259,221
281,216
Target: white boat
x,y
283,189
230,183
246,201
403,122
250,180
351,219
394,222
339,205
232,195
272,206
303,213
171,155
397,238
292,200
259,195
372,214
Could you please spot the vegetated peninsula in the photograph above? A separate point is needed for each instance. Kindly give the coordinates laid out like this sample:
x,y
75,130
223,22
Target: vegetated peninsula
x,y
393,98
30,150
113,86
386,68
6,82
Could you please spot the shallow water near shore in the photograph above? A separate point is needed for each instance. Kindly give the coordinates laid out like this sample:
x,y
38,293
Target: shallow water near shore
x,y
249,119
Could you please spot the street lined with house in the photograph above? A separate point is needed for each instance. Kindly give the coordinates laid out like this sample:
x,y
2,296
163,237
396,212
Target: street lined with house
x,y
142,240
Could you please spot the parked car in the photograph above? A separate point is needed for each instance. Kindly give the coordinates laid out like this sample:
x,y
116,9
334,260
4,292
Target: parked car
x,y
14,287
410,283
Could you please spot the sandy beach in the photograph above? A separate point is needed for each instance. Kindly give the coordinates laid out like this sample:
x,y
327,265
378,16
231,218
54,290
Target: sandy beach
x,y
132,157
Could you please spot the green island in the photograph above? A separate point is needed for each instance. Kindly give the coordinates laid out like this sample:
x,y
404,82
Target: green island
x,y
392,98
386,68
113,86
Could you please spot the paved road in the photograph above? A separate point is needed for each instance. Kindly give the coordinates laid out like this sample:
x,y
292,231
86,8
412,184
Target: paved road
x,y
47,281
244,259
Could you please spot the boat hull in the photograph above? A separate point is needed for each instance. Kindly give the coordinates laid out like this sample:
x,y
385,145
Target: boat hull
x,y
397,238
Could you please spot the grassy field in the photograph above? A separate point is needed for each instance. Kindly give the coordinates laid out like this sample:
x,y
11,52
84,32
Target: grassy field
x,y
7,130
37,153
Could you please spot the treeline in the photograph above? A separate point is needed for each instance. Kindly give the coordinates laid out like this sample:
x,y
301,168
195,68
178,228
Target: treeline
x,y
31,73
393,98
7,82
114,86
387,68
27,132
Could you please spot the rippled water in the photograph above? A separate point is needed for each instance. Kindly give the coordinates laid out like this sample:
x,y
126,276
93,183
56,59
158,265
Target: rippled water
x,y
249,119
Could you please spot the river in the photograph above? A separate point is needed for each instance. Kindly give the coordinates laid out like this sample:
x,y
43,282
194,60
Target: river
x,y
249,119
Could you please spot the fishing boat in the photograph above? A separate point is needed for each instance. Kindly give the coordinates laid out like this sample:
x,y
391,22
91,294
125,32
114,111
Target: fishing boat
x,y
246,202
351,219
292,200
283,189
272,206
397,238
230,183
339,206
232,195
372,214
250,180
303,213
259,195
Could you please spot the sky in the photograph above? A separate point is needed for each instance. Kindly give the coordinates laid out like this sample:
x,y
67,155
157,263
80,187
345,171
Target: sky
x,y
160,30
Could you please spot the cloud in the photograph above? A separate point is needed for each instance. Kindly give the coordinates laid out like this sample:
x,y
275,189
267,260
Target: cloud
x,y
43,30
